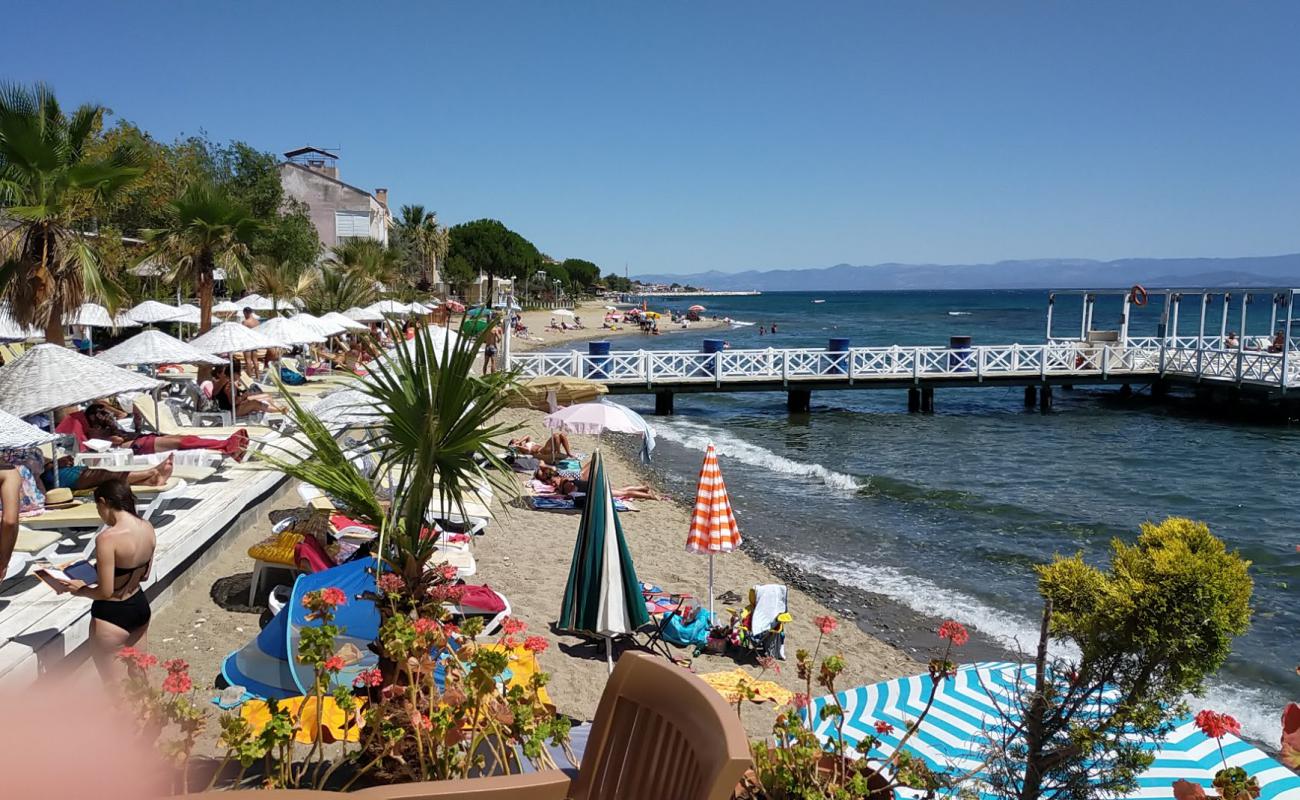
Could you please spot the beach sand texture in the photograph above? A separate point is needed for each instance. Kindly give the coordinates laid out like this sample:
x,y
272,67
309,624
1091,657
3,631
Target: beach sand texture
x,y
525,554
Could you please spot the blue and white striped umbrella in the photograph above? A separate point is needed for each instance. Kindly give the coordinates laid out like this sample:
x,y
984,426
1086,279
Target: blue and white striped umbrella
x,y
968,710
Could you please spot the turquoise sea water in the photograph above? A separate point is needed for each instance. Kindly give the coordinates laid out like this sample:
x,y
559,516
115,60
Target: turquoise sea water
x,y
948,514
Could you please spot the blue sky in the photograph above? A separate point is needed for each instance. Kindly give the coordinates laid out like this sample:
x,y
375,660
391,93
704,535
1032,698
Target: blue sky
x,y
678,137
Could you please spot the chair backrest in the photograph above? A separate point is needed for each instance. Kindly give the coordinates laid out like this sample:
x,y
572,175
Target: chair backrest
x,y
548,785
661,732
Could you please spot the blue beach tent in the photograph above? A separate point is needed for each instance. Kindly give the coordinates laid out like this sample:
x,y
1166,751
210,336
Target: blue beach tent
x,y
268,666
968,711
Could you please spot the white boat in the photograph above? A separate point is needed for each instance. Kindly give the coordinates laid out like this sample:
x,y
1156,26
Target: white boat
x,y
819,301
735,323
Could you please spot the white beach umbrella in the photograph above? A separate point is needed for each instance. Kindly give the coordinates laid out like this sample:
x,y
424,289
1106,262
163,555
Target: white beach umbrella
x,y
149,268
289,330
189,314
229,338
153,347
594,419
49,376
16,433
122,321
347,407
227,307
325,327
345,322
11,331
417,307
363,315
255,302
89,315
151,312
389,308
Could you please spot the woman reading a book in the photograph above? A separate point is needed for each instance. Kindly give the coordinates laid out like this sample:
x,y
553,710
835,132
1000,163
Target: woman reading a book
x,y
124,554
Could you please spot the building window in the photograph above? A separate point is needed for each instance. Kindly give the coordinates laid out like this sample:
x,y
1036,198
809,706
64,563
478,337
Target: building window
x,y
351,224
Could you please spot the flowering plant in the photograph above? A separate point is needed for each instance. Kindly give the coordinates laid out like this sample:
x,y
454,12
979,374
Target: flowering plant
x,y
167,713
1232,783
803,766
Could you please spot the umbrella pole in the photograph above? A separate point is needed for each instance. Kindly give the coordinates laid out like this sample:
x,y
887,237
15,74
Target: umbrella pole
x,y
234,410
710,584
609,653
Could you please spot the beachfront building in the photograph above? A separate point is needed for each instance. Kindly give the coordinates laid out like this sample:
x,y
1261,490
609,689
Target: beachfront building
x,y
339,210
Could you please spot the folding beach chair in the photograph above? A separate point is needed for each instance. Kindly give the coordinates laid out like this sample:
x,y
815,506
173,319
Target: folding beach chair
x,y
762,623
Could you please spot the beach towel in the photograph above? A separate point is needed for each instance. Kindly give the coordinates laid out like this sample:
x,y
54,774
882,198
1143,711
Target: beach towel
x,y
728,684
481,598
541,488
557,503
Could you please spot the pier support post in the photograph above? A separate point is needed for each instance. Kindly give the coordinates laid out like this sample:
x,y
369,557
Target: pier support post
x,y
1159,390
663,404
799,401
913,400
1126,391
1045,399
1031,396
927,400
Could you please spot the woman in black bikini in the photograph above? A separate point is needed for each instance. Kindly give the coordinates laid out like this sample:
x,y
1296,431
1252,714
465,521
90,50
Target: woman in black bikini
x,y
124,554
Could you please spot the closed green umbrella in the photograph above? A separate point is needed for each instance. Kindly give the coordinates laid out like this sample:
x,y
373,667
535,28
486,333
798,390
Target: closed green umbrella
x,y
602,595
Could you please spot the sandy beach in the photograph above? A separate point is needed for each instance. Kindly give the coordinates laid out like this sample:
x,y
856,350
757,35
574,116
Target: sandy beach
x,y
526,555
592,314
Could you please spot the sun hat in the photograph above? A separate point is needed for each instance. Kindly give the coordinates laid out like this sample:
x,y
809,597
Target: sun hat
x,y
59,497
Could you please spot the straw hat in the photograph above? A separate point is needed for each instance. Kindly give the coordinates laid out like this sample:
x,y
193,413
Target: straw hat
x,y
59,498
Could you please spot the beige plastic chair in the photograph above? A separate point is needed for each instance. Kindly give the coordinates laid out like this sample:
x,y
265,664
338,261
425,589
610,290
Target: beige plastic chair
x,y
660,732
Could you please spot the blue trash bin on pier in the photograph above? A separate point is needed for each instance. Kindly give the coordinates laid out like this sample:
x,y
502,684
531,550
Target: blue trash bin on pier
x,y
711,346
599,352
960,360
837,364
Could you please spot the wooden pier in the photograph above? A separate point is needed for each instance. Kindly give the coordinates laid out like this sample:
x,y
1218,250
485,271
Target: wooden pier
x,y
1259,366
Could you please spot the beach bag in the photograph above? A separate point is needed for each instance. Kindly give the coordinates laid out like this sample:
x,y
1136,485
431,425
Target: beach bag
x,y
291,378
687,634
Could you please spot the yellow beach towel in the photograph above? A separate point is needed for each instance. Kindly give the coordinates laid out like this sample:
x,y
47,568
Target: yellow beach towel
x,y
303,712
728,683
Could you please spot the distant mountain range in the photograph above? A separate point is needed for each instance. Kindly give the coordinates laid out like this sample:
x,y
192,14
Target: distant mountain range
x,y
1057,273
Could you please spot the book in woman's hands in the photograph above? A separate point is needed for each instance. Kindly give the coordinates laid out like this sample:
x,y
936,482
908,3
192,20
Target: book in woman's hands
x,y
60,578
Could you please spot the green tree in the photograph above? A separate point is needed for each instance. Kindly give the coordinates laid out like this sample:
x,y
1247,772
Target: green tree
x,y
339,289
282,281
582,273
488,247
48,184
1148,632
617,283
205,228
368,259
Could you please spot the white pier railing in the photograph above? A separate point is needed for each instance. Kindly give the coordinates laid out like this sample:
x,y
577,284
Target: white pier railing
x,y
1147,357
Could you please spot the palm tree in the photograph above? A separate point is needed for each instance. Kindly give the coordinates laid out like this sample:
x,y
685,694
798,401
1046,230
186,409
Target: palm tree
x,y
206,229
339,289
279,280
369,259
434,435
49,265
424,239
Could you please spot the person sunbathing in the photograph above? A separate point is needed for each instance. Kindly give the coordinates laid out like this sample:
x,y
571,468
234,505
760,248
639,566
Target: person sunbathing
x,y
99,422
573,486
552,450
77,476
245,402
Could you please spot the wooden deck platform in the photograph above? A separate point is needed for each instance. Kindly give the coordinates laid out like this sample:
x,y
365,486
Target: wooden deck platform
x,y
39,629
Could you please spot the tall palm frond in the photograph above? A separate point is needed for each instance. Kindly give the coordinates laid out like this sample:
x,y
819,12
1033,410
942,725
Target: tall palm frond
x,y
50,266
436,436
424,240
283,281
206,229
367,258
339,289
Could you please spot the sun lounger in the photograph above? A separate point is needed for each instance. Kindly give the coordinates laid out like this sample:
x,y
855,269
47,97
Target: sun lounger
x,y
556,503
165,422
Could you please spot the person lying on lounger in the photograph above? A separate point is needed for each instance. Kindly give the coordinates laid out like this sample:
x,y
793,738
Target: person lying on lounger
x,y
245,402
573,486
76,476
99,422
552,450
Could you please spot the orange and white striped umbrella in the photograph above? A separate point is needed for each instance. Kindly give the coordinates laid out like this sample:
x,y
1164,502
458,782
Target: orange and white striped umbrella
x,y
713,526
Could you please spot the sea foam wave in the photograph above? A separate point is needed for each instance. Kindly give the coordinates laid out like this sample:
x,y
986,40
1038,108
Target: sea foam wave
x,y
1257,710
959,313
697,437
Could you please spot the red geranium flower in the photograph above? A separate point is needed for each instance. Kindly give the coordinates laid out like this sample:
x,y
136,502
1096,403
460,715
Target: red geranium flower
x,y
954,632
800,700
536,644
177,683
448,572
419,720
175,665
425,626
884,728
333,596
369,677
513,625
826,624
333,664
391,583
1215,725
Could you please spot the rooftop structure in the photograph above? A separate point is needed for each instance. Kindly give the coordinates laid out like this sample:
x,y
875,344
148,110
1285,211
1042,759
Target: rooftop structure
x,y
338,210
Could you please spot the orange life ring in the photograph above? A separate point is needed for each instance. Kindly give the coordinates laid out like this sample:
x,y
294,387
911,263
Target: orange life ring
x,y
1137,295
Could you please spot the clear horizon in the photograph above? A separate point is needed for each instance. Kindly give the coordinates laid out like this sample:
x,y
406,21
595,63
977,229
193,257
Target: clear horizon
x,y
681,138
